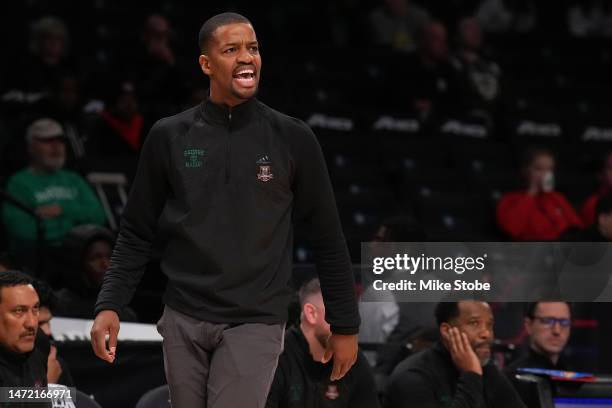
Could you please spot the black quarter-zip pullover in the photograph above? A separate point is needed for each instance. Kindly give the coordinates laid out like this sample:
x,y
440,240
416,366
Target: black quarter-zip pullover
x,y
222,190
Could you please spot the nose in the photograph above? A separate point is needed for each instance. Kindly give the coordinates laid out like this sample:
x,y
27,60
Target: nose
x,y
486,334
31,321
244,56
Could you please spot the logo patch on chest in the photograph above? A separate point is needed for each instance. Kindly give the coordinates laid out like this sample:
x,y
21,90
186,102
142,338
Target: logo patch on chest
x,y
264,172
194,158
332,392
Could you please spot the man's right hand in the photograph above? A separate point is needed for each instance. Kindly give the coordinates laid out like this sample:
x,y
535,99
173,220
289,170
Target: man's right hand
x,y
461,351
106,323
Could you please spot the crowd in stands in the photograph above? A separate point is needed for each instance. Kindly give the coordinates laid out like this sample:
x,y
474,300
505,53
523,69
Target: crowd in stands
x,y
473,120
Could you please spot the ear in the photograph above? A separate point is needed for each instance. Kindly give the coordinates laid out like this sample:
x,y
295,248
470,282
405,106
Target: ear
x,y
310,313
205,64
444,328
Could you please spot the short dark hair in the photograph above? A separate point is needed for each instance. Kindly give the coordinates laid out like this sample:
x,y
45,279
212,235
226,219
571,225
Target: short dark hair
x,y
45,294
446,311
13,278
531,307
529,154
604,204
210,26
311,287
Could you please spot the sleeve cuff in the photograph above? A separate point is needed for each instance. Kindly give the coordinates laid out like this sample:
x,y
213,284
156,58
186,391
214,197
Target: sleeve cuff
x,y
107,306
344,330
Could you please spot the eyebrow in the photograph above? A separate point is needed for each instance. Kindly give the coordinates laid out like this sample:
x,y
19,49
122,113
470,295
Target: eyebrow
x,y
239,43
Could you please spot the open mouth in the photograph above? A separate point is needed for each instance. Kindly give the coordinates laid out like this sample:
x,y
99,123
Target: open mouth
x,y
245,77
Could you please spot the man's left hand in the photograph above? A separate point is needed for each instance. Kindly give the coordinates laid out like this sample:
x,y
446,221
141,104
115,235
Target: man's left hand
x,y
343,349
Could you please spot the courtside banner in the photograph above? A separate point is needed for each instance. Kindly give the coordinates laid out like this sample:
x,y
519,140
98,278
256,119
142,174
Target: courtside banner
x,y
490,271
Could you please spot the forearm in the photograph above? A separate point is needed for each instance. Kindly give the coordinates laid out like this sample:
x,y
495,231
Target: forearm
x,y
128,263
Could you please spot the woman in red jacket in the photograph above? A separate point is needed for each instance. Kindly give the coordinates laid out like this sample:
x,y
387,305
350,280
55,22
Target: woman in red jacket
x,y
536,213
588,212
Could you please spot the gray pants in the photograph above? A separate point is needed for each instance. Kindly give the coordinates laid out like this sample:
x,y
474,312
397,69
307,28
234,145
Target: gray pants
x,y
212,365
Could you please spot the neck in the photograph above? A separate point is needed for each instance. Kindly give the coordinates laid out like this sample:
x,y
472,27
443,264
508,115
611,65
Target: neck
x,y
316,348
229,102
39,169
554,358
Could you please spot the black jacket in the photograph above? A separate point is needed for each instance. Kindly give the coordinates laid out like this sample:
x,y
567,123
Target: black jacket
x,y
24,370
222,190
531,359
430,379
301,382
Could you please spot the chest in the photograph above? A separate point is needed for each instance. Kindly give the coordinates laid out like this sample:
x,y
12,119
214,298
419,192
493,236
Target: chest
x,y
252,156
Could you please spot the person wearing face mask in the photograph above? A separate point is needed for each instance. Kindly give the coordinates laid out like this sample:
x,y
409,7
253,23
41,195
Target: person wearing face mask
x,y
457,371
61,198
537,212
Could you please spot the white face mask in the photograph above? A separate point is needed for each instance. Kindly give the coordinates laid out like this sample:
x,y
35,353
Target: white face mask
x,y
548,182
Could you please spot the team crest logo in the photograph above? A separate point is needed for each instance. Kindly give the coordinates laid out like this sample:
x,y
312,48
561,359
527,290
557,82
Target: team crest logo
x,y
265,169
332,392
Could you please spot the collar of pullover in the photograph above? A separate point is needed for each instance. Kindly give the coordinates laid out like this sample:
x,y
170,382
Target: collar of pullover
x,y
220,114
11,358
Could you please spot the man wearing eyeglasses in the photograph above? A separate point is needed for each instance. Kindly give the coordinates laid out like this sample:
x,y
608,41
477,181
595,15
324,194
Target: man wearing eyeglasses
x,y
548,325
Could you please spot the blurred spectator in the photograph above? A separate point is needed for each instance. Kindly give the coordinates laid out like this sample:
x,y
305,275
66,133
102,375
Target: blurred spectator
x,y
34,77
548,325
57,369
605,186
302,378
396,23
380,312
88,250
119,130
590,18
458,370
601,230
507,16
430,73
156,70
478,79
21,363
538,212
61,198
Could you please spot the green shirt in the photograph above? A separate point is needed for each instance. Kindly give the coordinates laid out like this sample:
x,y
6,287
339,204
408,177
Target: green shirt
x,y
66,188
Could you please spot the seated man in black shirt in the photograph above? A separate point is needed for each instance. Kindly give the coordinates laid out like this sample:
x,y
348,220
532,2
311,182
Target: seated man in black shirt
x,y
548,325
302,379
21,364
456,372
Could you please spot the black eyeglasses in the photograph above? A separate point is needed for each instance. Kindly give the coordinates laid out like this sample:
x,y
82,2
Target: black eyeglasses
x,y
551,321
